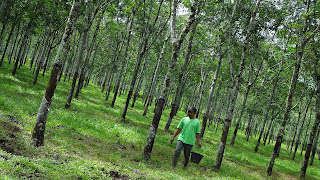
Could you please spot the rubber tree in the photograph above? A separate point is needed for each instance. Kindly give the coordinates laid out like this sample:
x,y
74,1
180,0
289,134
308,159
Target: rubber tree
x,y
89,18
213,84
181,79
40,125
149,36
314,131
176,45
235,91
125,56
297,142
271,100
288,107
88,54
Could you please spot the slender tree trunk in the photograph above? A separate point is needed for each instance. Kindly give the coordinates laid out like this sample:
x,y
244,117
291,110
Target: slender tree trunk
x,y
35,79
24,38
136,94
48,57
214,81
314,147
7,42
235,91
266,116
295,131
204,77
269,127
87,56
212,117
171,65
76,69
314,131
4,25
305,135
39,128
155,75
26,53
15,43
134,77
181,80
301,128
124,60
291,92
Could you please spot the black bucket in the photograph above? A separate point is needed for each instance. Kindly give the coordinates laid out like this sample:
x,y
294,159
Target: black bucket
x,y
196,157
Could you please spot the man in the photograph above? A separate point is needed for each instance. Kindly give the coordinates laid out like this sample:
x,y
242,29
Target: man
x,y
190,130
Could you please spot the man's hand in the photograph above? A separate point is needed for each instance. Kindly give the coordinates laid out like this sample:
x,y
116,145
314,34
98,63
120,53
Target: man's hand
x,y
175,134
199,145
172,139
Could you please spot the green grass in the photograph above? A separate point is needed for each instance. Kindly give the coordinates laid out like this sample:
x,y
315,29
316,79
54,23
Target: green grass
x,y
88,140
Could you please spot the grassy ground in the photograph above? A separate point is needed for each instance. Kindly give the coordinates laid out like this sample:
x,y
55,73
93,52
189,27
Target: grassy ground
x,y
88,141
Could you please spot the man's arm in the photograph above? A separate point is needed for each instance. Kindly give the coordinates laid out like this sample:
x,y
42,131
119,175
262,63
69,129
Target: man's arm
x,y
175,134
198,139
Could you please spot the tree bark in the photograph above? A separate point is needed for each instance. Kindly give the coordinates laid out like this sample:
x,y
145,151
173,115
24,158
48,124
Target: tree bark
x,y
155,75
14,44
214,81
39,128
76,69
124,58
314,147
301,128
291,92
7,42
87,56
235,91
166,84
266,116
181,80
136,94
144,47
24,38
315,127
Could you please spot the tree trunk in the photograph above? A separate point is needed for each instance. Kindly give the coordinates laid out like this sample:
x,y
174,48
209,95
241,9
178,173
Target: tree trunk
x,y
136,94
39,128
14,44
305,135
171,65
314,147
314,131
7,42
39,64
76,69
87,56
266,116
124,59
291,92
134,76
295,131
235,91
213,110
181,80
301,128
155,75
24,38
214,81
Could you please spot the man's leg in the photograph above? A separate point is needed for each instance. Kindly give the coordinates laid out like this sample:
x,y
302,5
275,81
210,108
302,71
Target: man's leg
x,y
187,151
177,153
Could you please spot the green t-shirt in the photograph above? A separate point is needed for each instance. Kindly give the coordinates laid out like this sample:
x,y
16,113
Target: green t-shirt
x,y
189,128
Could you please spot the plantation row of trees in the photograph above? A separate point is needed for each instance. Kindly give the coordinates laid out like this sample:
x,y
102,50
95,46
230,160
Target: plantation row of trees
x,y
248,64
